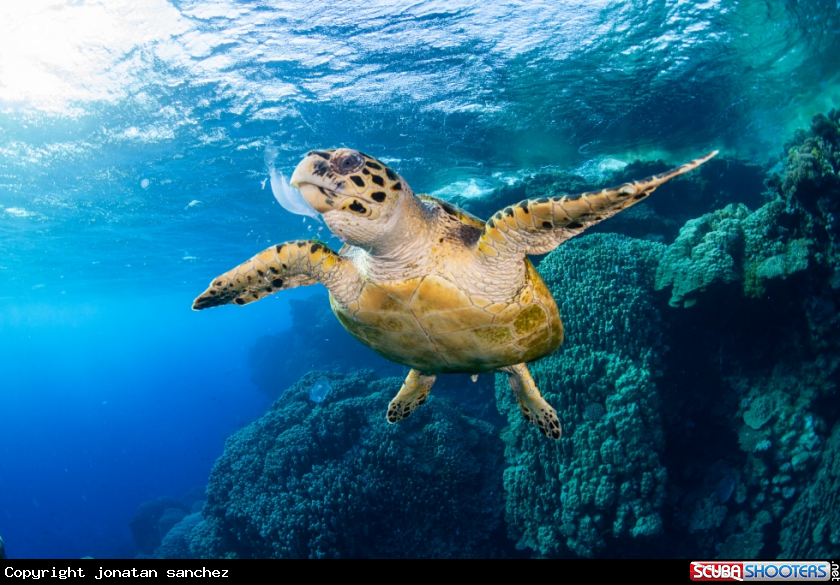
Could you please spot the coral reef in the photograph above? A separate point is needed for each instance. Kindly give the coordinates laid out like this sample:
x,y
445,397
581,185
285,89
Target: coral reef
x,y
743,486
743,399
176,542
810,186
155,520
796,230
169,518
758,357
812,528
732,245
605,482
146,525
336,480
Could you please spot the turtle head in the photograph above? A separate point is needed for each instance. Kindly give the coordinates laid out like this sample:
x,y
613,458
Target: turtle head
x,y
357,195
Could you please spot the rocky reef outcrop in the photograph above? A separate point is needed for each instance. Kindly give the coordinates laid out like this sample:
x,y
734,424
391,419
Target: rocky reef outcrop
x,y
811,530
733,245
176,542
156,520
758,353
334,479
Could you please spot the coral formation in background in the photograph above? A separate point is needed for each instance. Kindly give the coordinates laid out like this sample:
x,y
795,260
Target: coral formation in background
x,y
739,418
755,355
605,484
733,245
334,479
157,519
153,520
176,543
798,228
812,528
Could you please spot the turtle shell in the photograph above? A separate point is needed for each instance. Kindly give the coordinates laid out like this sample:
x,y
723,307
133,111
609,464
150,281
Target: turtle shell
x,y
431,324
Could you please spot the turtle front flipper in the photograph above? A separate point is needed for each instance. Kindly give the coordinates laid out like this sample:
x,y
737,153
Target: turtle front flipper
x,y
413,393
280,267
537,226
534,407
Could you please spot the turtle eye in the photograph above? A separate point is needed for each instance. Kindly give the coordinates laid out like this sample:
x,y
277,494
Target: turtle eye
x,y
347,163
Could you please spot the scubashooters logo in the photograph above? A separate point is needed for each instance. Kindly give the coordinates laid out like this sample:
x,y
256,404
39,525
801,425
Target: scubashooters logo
x,y
763,571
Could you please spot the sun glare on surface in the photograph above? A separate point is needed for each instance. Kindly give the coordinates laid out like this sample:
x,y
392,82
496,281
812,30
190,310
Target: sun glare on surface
x,y
55,53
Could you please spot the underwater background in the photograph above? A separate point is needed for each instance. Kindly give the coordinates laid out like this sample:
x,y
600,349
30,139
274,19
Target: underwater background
x,y
697,385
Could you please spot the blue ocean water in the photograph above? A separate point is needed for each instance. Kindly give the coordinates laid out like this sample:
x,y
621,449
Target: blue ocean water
x,y
133,140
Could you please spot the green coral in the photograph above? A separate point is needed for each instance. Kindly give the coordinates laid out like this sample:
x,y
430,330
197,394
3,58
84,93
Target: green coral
x,y
760,411
708,250
797,229
811,180
605,482
731,245
779,426
793,259
746,545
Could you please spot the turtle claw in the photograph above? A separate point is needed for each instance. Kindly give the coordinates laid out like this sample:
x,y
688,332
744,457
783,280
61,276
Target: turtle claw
x,y
533,406
414,392
544,417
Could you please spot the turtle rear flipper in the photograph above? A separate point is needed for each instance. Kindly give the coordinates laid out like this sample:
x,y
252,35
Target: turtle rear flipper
x,y
533,406
281,267
413,393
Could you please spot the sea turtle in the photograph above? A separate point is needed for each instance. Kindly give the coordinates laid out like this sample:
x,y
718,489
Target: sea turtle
x,y
426,284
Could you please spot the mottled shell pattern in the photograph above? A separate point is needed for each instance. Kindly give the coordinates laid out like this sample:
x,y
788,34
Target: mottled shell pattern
x,y
431,324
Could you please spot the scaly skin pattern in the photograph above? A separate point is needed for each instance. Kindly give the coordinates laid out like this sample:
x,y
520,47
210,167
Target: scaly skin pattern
x,y
413,393
537,226
426,284
282,267
532,405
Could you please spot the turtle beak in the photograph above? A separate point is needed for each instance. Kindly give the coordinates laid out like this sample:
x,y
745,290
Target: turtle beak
x,y
322,189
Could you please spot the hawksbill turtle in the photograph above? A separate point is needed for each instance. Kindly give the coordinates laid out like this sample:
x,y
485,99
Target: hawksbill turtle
x,y
426,284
